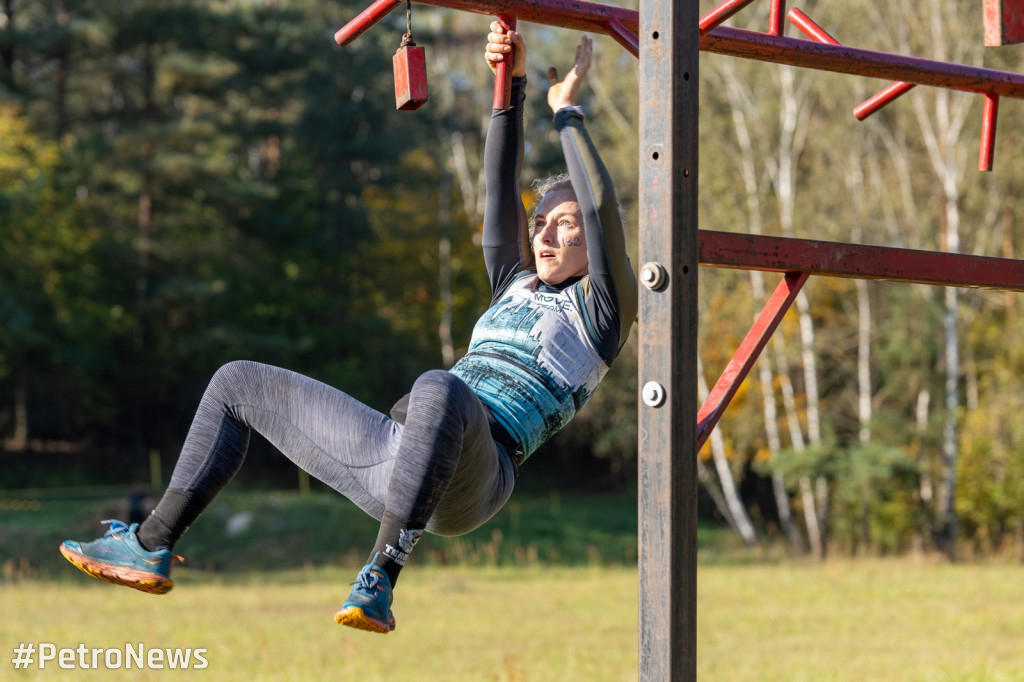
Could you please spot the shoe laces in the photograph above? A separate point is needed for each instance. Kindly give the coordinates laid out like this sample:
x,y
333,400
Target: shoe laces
x,y
118,528
367,580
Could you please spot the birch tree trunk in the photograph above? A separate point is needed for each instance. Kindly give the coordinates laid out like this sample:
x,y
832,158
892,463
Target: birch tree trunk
x,y
793,115
942,130
740,100
738,517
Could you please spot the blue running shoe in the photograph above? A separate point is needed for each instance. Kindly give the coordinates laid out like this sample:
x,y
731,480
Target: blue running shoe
x,y
368,606
118,558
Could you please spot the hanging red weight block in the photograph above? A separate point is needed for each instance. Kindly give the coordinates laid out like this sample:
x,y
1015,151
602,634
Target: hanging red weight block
x,y
410,77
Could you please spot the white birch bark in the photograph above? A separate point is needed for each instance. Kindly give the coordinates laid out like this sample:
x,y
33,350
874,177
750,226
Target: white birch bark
x,y
739,98
738,517
942,129
793,114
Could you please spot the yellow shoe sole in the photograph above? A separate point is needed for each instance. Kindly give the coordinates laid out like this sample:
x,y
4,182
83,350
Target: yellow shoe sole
x,y
355,617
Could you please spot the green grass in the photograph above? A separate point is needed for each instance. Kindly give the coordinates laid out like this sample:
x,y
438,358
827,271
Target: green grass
x,y
546,591
844,621
286,530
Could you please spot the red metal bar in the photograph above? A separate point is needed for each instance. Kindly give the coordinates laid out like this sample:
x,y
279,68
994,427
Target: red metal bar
x,y
988,132
365,20
747,353
775,17
628,39
737,42
876,102
502,78
1004,22
810,28
581,15
721,13
858,261
869,106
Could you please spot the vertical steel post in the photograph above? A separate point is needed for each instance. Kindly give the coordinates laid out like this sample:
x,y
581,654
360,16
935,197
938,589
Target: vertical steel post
x,y
669,45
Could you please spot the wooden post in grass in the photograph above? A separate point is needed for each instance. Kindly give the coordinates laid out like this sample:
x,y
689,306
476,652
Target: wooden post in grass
x,y
667,519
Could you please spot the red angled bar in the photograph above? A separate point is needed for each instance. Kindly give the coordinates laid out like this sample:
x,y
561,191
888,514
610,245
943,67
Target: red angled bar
x,y
747,353
876,102
721,13
858,261
988,132
628,39
815,32
810,28
364,21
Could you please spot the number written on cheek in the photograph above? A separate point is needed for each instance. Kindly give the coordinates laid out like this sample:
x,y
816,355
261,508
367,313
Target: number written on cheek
x,y
572,241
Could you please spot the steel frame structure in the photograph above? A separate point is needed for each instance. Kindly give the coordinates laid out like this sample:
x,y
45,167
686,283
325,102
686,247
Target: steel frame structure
x,y
666,36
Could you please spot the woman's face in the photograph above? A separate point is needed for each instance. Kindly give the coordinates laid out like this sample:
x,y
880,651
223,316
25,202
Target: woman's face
x,y
559,242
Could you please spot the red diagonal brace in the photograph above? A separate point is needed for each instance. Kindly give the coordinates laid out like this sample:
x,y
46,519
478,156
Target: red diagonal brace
x,y
721,13
365,19
747,353
629,40
810,28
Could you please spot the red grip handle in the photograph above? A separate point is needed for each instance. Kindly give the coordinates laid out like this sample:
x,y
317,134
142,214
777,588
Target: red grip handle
x,y
503,78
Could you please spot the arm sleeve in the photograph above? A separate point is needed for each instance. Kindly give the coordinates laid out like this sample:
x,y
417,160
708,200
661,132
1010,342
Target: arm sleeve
x,y
610,290
505,240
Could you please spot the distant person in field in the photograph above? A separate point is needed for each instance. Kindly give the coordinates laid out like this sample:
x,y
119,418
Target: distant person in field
x,y
445,461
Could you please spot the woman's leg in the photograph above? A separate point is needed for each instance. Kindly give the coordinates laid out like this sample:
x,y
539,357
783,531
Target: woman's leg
x,y
448,475
334,437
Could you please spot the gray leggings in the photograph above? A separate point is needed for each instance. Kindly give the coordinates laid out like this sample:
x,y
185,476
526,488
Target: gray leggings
x,y
441,467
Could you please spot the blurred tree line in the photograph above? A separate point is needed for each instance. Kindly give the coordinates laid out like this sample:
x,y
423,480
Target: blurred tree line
x,y
184,183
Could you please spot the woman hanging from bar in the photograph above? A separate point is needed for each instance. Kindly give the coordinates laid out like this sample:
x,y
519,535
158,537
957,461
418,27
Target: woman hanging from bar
x,y
445,461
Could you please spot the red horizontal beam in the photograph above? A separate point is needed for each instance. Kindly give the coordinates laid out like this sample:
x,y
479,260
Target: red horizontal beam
x,y
858,261
577,15
737,42
618,22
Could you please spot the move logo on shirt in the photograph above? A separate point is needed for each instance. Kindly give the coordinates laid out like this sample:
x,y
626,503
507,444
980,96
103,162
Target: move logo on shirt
x,y
551,301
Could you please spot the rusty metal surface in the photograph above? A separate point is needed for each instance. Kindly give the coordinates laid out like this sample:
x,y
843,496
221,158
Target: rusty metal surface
x,y
667,520
737,42
1004,22
618,22
858,261
721,13
747,353
364,20
502,76
986,150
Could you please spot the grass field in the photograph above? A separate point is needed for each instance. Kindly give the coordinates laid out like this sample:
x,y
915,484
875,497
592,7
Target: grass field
x,y
870,620
544,592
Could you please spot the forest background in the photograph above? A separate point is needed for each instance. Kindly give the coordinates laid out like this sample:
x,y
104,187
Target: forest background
x,y
183,184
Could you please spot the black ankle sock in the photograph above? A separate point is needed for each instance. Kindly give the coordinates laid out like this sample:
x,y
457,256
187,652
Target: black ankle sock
x,y
173,515
395,541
